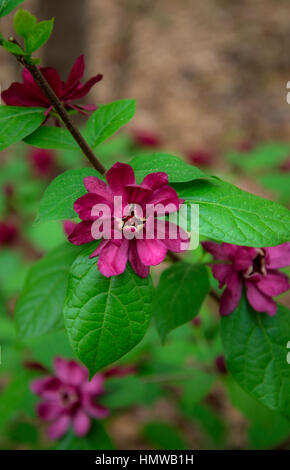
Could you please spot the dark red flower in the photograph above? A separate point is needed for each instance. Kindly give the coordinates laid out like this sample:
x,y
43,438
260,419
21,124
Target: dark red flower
x,y
255,268
285,166
43,162
144,138
128,232
200,157
28,93
244,146
8,233
220,364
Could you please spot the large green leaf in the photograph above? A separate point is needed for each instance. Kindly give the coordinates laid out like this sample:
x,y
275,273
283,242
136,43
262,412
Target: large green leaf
x,y
108,119
58,199
6,6
178,171
17,122
105,317
49,137
180,293
255,346
39,307
228,214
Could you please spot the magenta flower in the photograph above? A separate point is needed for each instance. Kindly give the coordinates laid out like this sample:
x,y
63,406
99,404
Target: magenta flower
x,y
200,157
285,166
8,233
256,269
43,162
129,233
69,398
145,138
28,93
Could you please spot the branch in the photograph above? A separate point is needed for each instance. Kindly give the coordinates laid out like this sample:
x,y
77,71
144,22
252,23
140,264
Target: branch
x,y
59,107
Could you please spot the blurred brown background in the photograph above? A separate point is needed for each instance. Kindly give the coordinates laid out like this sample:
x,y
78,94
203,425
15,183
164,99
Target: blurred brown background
x,y
204,72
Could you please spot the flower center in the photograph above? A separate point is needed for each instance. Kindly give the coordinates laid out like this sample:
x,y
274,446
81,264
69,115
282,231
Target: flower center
x,y
68,397
131,223
258,266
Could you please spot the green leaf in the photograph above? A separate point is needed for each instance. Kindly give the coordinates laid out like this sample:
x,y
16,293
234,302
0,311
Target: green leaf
x,y
278,183
24,22
17,122
6,6
97,439
255,347
178,171
108,119
122,392
11,47
39,35
49,137
174,303
228,214
105,317
163,436
39,307
265,156
267,428
195,390
58,199
13,396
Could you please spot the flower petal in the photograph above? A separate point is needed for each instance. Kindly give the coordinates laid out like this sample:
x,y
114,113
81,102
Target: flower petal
x,y
58,428
273,284
95,387
278,256
166,199
151,252
259,301
231,296
95,410
225,251
46,387
119,176
68,227
82,233
48,410
173,236
244,257
21,95
137,194
99,187
136,263
70,372
113,259
221,272
86,203
53,79
155,180
81,424
84,90
76,74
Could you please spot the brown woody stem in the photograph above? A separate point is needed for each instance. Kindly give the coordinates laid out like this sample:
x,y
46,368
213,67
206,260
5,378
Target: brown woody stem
x,y
60,109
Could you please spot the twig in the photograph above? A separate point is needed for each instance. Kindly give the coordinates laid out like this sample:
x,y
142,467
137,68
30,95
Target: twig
x,y
60,109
